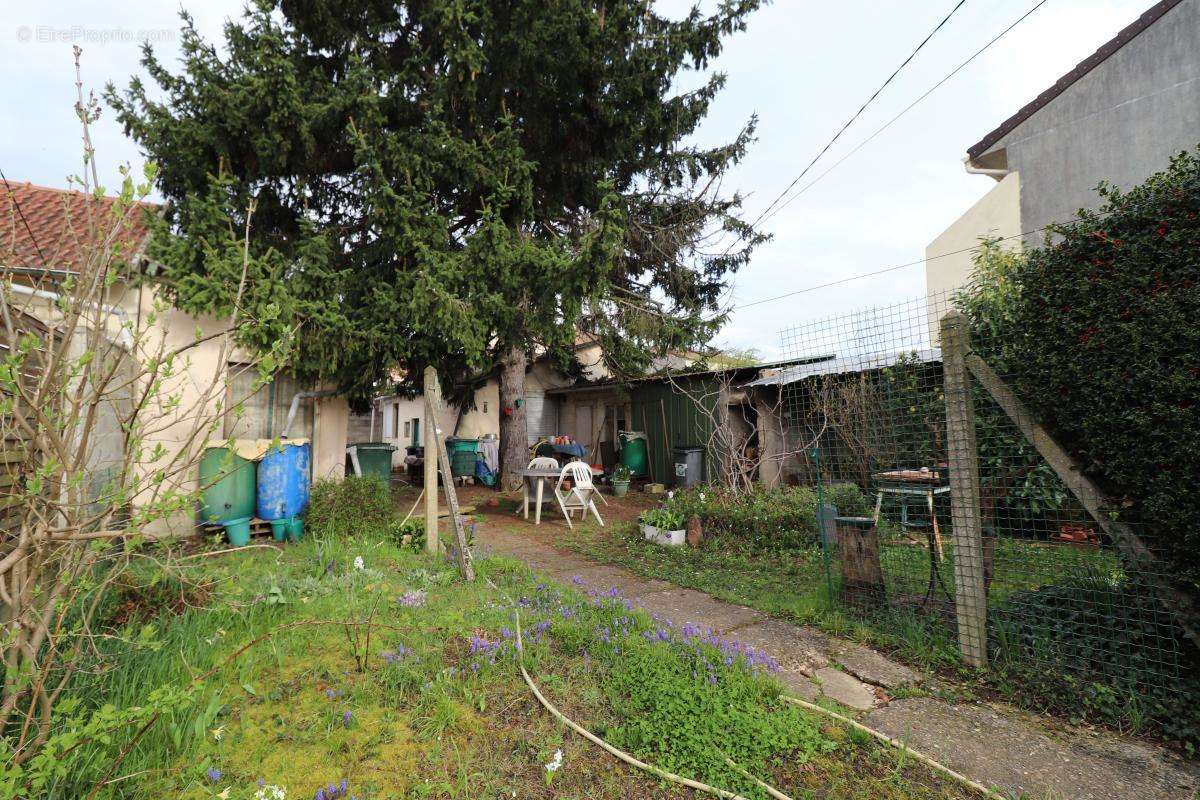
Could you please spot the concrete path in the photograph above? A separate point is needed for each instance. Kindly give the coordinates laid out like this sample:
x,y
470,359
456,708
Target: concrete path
x,y
996,745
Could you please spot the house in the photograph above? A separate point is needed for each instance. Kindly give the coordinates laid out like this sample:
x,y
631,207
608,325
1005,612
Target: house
x,y
587,406
1118,117
42,245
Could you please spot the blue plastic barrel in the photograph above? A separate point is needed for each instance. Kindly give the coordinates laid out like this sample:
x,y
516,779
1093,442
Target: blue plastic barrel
x,y
283,481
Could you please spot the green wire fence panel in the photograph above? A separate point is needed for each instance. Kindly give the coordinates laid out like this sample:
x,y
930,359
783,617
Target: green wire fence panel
x,y
989,529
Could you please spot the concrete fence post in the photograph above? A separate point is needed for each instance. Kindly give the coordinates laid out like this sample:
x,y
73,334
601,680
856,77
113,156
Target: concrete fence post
x,y
970,589
433,392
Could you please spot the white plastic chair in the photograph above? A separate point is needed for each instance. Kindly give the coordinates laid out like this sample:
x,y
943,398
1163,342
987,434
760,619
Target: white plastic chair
x,y
579,496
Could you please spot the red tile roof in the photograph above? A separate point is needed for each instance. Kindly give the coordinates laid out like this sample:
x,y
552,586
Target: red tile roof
x,y
45,228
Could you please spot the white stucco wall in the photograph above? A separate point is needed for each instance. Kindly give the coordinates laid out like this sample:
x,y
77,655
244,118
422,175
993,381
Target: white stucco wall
x,y
996,215
193,397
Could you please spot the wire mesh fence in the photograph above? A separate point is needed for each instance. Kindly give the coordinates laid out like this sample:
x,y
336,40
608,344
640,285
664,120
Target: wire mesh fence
x,y
947,501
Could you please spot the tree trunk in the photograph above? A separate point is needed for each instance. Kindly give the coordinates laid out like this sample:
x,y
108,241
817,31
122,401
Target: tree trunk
x,y
514,442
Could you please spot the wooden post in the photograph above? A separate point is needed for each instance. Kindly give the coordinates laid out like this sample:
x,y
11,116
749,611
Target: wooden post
x,y
862,571
970,589
433,404
432,389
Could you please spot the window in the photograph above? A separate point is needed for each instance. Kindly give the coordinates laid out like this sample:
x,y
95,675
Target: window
x,y
261,413
485,406
407,429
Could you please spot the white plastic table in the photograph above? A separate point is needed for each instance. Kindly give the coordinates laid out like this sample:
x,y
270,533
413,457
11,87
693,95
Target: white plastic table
x,y
535,476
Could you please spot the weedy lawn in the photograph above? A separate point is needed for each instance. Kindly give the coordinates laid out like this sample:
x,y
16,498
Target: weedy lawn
x,y
359,668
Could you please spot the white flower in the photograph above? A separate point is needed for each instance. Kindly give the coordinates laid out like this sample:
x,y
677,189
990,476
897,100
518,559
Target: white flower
x,y
671,495
702,497
359,563
555,763
270,792
217,733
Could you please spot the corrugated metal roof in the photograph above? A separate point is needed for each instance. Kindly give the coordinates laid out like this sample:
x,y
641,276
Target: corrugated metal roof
x,y
840,365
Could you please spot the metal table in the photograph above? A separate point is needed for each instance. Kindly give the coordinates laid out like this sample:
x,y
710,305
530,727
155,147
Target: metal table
x,y
921,483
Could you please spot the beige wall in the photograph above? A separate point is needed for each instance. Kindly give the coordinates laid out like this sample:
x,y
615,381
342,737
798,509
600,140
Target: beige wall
x,y
331,416
186,414
996,214
480,421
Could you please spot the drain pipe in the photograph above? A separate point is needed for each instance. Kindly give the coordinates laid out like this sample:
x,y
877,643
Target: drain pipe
x,y
296,398
998,174
120,313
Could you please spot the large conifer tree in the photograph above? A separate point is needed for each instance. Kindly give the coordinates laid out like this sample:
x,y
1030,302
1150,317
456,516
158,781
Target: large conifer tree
x,y
452,182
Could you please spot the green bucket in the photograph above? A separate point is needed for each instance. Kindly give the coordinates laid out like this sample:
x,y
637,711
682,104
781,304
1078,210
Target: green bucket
x,y
279,529
295,528
238,531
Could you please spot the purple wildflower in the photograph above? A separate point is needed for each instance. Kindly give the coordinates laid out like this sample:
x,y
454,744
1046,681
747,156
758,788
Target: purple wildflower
x,y
320,795
213,774
577,580
412,599
346,717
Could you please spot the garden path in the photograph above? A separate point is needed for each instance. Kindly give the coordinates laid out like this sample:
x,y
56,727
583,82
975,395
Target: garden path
x,y
994,744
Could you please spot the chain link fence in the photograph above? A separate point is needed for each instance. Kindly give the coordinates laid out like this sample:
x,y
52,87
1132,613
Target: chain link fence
x,y
961,511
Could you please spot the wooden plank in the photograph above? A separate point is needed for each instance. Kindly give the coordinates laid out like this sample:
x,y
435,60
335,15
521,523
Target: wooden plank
x,y
970,585
1070,472
432,406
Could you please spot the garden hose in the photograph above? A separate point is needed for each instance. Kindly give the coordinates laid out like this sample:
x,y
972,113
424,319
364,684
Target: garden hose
x,y
883,737
703,787
594,739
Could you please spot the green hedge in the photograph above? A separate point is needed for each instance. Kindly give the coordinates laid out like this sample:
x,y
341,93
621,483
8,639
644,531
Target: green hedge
x,y
1102,650
1099,333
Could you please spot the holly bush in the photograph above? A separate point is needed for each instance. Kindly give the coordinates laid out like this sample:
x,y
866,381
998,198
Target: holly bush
x,y
1099,334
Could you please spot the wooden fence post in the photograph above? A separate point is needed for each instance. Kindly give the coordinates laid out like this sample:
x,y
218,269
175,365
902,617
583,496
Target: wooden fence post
x,y
437,438
431,390
970,588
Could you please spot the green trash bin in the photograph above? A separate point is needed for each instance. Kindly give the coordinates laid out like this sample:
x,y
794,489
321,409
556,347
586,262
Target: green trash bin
x,y
375,458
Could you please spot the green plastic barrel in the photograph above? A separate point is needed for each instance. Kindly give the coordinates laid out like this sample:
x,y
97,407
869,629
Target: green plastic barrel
x,y
462,464
375,458
633,452
226,486
462,456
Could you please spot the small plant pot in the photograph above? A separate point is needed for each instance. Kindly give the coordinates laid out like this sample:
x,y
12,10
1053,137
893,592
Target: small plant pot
x,y
664,537
295,529
279,529
238,531
620,488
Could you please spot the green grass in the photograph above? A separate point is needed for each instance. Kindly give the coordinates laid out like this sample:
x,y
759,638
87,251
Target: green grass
x,y
438,720
794,584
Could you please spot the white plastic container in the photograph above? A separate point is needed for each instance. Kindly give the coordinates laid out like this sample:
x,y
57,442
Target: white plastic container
x,y
663,537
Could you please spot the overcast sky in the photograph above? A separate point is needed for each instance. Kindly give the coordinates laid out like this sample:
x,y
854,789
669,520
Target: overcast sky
x,y
804,67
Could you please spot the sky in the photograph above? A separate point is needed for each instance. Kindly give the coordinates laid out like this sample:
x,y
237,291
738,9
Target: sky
x,y
803,67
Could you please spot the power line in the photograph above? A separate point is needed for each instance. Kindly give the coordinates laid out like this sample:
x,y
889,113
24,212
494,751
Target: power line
x,y
909,107
850,278
21,214
861,109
